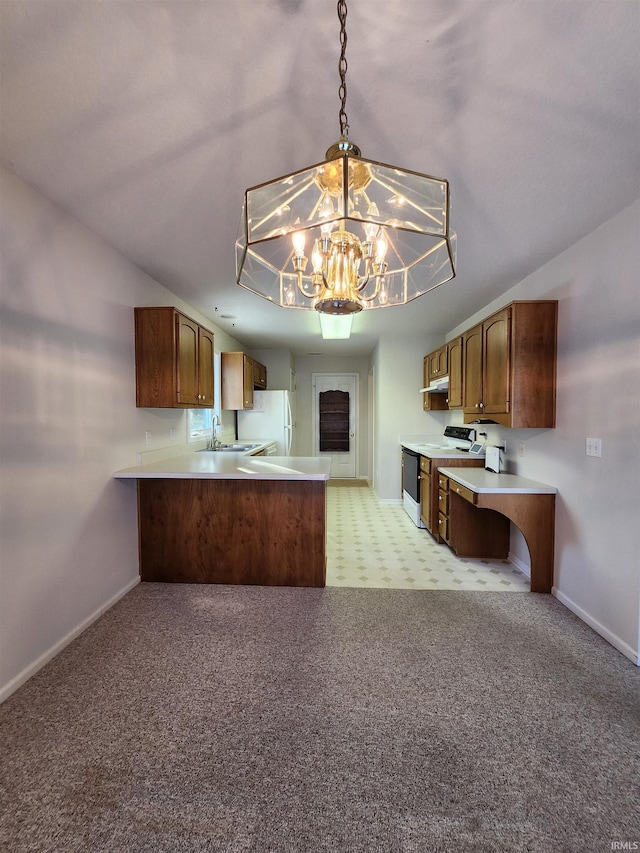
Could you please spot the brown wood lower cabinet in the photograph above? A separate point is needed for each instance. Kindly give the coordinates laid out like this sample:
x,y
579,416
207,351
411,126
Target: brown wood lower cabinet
x,y
268,532
467,530
429,492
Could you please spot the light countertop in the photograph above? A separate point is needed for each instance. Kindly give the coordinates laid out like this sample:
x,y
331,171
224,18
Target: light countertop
x,y
206,465
480,480
439,452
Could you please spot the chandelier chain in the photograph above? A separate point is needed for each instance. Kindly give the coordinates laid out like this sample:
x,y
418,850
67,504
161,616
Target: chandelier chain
x,y
342,68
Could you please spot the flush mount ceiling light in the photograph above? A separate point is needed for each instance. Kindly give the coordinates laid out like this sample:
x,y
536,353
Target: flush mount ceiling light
x,y
378,235
335,327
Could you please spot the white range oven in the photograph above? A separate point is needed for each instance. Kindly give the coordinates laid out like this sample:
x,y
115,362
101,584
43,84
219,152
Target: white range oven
x,y
456,441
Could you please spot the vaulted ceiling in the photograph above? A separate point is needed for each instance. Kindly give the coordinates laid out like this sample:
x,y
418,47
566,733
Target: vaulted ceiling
x,y
147,121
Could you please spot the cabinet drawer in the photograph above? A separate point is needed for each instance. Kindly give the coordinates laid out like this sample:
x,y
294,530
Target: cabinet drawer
x,y
443,483
463,491
443,527
425,464
443,502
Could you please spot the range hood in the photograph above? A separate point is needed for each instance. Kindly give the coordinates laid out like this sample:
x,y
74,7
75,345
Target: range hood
x,y
438,386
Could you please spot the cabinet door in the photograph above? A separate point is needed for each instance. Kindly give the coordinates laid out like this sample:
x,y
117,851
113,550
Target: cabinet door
x,y
431,402
187,381
433,365
455,374
259,375
205,367
247,382
437,364
496,363
472,381
425,382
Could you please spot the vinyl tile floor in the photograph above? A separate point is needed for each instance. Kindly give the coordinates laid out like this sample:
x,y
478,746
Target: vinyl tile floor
x,y
377,546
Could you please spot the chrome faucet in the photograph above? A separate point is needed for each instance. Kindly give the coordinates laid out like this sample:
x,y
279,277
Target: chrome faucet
x,y
214,442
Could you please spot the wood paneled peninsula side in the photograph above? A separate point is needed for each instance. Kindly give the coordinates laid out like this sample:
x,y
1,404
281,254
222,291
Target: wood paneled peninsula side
x,y
227,518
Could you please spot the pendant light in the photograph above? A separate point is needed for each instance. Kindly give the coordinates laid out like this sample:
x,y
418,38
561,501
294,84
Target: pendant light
x,y
377,235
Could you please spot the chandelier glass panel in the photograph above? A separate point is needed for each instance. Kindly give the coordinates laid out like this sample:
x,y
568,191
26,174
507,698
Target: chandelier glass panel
x,y
346,234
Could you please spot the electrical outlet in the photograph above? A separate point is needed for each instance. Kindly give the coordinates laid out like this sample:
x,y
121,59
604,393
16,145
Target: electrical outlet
x,y
521,449
594,447
147,437
172,435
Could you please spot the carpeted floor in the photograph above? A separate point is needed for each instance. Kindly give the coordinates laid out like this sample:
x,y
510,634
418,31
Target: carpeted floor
x,y
214,718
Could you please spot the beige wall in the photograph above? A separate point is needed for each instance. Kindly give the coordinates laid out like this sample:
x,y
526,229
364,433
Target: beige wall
x,y
597,570
397,367
68,534
279,364
68,420
305,367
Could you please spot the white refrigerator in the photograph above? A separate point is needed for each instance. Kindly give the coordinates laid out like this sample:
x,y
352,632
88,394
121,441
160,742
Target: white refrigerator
x,y
272,417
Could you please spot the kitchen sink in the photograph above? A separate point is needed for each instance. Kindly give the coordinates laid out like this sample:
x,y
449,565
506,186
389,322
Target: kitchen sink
x,y
229,448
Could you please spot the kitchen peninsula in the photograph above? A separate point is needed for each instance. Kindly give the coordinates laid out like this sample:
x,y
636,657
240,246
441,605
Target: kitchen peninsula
x,y
230,518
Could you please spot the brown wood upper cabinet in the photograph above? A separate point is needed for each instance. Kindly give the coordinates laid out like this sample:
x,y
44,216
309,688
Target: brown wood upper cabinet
x,y
434,365
174,360
438,363
259,375
240,375
509,366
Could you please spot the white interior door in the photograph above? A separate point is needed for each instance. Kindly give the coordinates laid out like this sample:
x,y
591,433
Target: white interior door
x,y
334,437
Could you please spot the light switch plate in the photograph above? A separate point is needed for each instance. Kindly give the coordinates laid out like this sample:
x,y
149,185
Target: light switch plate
x,y
594,447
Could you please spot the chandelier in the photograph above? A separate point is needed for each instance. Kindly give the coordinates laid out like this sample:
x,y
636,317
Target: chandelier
x,y
377,235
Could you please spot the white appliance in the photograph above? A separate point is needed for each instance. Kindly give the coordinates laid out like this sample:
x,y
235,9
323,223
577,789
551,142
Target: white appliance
x,y
492,459
272,417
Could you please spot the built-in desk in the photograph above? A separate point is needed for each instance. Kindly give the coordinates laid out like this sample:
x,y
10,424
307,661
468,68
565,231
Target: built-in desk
x,y
528,504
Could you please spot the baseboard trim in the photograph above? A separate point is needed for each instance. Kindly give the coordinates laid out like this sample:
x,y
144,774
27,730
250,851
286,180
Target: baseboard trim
x,y
604,632
520,565
44,659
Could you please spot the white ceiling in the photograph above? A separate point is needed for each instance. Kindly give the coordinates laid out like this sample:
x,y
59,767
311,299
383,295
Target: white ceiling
x,y
148,120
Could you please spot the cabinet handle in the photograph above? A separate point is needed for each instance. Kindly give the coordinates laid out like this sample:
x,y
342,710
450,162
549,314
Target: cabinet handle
x,y
482,405
458,491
